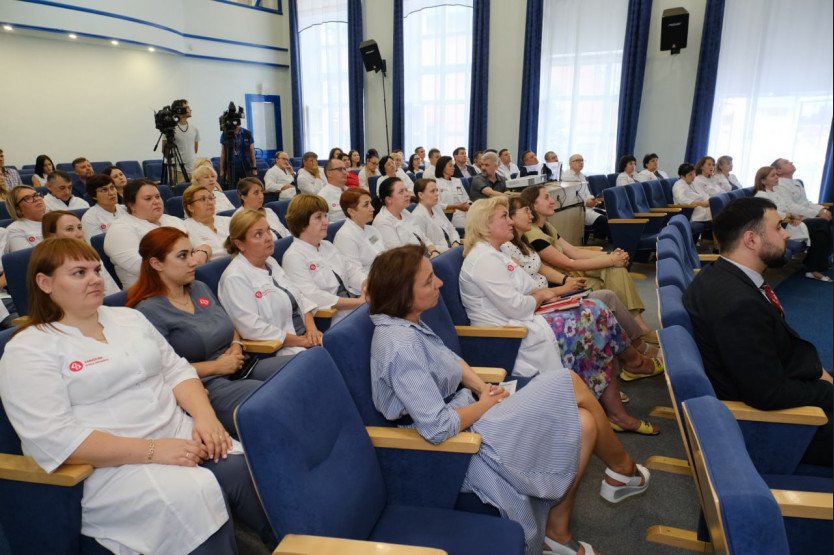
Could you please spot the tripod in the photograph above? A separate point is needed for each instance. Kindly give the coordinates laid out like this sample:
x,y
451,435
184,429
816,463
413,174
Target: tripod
x,y
229,167
171,159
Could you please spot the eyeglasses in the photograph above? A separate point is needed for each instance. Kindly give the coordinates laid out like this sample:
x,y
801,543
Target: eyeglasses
x,y
342,169
203,199
28,199
577,160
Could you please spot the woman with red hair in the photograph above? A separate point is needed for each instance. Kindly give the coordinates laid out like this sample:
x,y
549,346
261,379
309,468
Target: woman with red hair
x,y
189,317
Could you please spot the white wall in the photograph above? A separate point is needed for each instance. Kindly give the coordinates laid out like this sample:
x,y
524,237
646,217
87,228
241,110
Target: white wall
x,y
84,97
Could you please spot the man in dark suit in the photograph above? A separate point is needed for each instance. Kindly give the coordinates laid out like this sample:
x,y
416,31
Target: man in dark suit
x,y
462,166
750,352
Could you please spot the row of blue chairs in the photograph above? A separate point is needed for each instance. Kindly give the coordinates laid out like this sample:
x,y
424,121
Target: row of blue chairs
x,y
759,449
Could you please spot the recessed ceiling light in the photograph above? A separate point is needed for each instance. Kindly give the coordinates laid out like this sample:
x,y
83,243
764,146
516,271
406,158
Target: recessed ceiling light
x,y
72,36
7,28
114,42
151,49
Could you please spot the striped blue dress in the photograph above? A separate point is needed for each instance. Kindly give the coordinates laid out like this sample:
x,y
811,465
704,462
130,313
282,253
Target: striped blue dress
x,y
530,441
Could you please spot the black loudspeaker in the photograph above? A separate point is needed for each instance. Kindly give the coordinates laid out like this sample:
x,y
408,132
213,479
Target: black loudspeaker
x,y
674,29
371,57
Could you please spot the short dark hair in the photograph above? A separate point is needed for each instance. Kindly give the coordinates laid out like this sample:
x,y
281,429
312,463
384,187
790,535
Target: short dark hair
x,y
433,151
385,187
372,152
244,185
624,160
58,173
502,151
177,106
79,160
648,158
94,182
109,170
738,216
524,154
333,151
457,150
685,168
390,285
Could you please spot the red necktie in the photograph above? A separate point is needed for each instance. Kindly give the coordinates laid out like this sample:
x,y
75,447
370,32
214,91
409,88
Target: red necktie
x,y
774,300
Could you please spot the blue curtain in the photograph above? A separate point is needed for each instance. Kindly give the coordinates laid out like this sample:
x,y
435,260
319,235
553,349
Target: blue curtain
x,y
528,127
398,100
697,141
479,93
633,69
356,77
295,80
827,187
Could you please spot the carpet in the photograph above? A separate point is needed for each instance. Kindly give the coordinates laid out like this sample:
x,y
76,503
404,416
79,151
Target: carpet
x,y
809,309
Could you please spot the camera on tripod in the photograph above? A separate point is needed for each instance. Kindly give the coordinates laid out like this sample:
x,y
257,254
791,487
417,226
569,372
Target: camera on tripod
x,y
165,120
231,118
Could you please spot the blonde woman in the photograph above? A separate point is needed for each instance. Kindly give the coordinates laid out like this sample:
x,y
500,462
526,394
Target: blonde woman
x,y
205,176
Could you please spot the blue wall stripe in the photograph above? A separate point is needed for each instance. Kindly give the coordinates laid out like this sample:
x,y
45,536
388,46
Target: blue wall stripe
x,y
257,6
157,25
155,46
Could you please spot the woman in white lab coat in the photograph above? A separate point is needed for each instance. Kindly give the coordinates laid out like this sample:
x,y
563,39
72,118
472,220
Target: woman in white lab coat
x,y
315,265
430,217
396,224
256,293
452,193
84,383
357,240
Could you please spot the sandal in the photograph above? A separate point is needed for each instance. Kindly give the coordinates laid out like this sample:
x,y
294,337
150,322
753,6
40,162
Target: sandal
x,y
645,428
657,369
630,484
570,548
821,277
624,398
650,337
648,350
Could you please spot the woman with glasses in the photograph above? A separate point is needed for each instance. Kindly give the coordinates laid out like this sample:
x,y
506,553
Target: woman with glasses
x,y
309,178
100,216
371,169
201,222
205,176
26,207
251,192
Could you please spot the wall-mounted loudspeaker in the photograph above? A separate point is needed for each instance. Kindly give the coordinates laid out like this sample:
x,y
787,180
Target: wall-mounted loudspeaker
x,y
370,56
674,29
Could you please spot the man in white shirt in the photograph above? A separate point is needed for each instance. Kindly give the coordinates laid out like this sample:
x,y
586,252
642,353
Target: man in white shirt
x,y
508,169
794,191
309,178
60,195
336,174
421,152
593,216
434,156
186,137
280,178
650,171
462,166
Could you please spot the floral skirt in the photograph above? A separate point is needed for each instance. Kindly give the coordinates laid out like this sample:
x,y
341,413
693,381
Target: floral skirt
x,y
589,338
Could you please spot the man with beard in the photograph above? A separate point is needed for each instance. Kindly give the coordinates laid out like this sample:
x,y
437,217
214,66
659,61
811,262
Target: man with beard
x,y
750,352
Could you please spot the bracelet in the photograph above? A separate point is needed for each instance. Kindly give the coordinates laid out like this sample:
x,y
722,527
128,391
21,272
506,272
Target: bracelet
x,y
151,449
236,342
204,251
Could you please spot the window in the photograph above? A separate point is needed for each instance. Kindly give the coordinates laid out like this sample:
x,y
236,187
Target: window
x,y
323,49
773,94
582,52
437,62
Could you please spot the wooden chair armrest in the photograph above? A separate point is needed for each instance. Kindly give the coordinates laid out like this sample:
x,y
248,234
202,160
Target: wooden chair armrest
x,y
261,346
512,332
708,257
20,468
667,210
629,221
804,504
297,544
812,416
19,321
409,438
648,215
827,204
490,374
682,206
589,247
325,313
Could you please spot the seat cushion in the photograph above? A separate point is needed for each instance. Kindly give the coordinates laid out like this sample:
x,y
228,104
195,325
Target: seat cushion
x,y
456,532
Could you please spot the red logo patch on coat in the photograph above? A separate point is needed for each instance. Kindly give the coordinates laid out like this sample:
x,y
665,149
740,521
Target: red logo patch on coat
x,y
258,294
103,227
76,366
510,268
203,301
31,239
313,267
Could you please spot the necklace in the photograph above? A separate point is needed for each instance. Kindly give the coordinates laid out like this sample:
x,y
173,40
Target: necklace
x,y
181,303
181,129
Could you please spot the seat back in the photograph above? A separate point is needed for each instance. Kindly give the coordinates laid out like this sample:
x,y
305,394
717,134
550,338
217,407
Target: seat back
x,y
672,233
637,197
9,440
180,188
718,202
671,308
612,179
97,242
281,246
332,229
654,193
467,183
152,169
668,248
173,207
597,184
280,209
311,459
116,299
685,230
4,212
740,512
233,197
15,265
617,204
447,267
98,167
130,168
372,182
211,272
669,272
165,192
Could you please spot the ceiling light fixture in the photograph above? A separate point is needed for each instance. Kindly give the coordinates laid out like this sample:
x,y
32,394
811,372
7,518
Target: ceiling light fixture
x,y
114,42
72,36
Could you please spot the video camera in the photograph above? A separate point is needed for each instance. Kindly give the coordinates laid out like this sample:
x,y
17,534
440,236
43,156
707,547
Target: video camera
x,y
165,120
231,118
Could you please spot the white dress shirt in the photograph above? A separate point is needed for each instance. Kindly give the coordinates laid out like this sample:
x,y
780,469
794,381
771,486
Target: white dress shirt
x,y
97,220
23,234
404,231
202,234
121,243
570,176
59,386
331,195
54,203
508,170
276,178
433,224
646,175
452,192
258,308
308,183
312,270
794,200
495,292
685,193
359,245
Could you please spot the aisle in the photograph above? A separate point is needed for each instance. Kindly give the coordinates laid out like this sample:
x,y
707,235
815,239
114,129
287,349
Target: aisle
x,y
809,309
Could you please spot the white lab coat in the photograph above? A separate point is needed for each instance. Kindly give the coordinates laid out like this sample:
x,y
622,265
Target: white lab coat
x,y
201,234
725,182
54,203
307,183
121,243
311,269
406,180
684,193
279,230
792,199
97,220
646,175
258,308
404,231
433,224
569,176
508,170
494,291
331,195
624,179
23,234
452,192
58,386
275,178
359,245
796,232
710,185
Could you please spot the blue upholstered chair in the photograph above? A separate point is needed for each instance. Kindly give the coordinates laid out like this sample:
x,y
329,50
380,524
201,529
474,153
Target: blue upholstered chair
x,y
97,242
640,201
173,207
39,512
228,213
671,308
372,183
629,230
280,209
332,229
4,212
612,179
281,246
231,194
15,265
152,169
180,188
317,473
597,184
669,272
131,168
718,202
165,192
116,299
687,233
668,248
98,167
